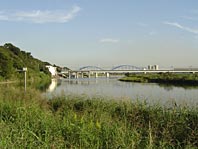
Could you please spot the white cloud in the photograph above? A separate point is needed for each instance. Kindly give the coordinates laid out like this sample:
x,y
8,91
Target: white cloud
x,y
175,24
109,40
38,16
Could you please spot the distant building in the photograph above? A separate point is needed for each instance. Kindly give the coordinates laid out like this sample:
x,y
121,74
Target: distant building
x,y
153,67
149,67
52,70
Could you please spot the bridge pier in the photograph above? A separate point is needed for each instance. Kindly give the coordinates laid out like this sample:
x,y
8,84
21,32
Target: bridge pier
x,y
96,75
107,75
69,75
75,75
89,74
82,75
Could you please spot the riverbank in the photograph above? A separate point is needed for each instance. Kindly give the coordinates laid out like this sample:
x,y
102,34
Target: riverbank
x,y
8,82
163,78
39,81
29,120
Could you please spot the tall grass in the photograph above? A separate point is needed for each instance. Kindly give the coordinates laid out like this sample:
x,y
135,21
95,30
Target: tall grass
x,y
30,121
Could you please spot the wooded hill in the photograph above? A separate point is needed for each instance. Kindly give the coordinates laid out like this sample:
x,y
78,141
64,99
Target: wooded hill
x,y
12,60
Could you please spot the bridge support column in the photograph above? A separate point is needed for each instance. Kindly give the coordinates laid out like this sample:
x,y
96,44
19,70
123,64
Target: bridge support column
x,y
69,75
96,75
107,75
82,75
89,74
76,75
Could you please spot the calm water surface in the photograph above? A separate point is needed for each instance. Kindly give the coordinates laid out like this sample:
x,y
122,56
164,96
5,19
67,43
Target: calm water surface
x,y
112,88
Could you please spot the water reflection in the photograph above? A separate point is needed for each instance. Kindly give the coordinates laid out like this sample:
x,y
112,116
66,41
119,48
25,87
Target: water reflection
x,y
112,88
54,84
171,87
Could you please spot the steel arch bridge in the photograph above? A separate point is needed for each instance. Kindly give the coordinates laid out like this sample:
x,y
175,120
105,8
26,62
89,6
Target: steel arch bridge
x,y
90,68
127,67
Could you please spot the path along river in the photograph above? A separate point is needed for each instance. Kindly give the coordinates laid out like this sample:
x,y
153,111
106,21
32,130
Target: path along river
x,y
113,89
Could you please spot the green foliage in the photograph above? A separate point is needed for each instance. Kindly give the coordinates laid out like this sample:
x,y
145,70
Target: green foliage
x,y
6,67
13,59
164,78
29,121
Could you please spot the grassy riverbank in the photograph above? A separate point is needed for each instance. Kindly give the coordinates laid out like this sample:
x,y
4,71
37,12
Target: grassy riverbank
x,y
38,80
29,120
164,78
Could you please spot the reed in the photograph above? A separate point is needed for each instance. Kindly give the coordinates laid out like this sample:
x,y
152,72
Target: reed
x,y
28,120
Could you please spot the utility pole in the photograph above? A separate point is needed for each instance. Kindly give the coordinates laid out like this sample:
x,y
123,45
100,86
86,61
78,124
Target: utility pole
x,y
25,80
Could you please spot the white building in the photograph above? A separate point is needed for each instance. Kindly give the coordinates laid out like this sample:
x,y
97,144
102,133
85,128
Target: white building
x,y
153,67
156,67
52,70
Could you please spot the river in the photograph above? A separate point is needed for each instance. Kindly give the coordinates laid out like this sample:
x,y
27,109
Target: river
x,y
114,89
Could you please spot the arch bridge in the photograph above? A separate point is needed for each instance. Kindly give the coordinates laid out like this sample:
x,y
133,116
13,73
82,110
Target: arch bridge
x,y
127,67
88,71
88,68
119,67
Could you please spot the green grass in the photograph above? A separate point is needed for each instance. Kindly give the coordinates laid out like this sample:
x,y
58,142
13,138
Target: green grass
x,y
30,121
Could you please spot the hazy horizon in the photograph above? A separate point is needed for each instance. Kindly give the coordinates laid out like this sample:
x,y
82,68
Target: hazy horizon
x,y
104,33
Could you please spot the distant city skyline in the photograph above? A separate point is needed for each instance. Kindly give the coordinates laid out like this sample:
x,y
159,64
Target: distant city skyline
x,y
104,33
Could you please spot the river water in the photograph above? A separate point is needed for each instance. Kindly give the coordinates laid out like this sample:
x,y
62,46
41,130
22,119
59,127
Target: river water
x,y
111,88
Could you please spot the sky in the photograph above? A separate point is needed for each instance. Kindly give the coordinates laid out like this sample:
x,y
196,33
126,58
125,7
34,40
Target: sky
x,y
103,33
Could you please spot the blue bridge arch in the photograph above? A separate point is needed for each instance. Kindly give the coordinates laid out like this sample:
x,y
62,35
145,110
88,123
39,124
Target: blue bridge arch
x,y
90,68
127,67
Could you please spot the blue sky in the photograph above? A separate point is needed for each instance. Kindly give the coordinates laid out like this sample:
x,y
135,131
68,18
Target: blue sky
x,y
103,33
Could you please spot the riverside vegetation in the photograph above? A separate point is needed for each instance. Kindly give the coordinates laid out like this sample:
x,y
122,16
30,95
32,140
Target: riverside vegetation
x,y
31,121
13,59
164,78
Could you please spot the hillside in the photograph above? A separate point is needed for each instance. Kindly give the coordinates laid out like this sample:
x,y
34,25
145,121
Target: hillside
x,y
12,60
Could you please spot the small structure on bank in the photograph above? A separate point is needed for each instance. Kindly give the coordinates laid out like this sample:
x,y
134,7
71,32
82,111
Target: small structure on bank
x,y
52,70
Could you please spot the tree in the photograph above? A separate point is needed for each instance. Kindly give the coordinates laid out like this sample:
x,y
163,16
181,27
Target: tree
x,y
12,48
6,66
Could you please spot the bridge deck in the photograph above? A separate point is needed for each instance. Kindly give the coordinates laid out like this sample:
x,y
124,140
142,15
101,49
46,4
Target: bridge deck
x,y
137,71
75,74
